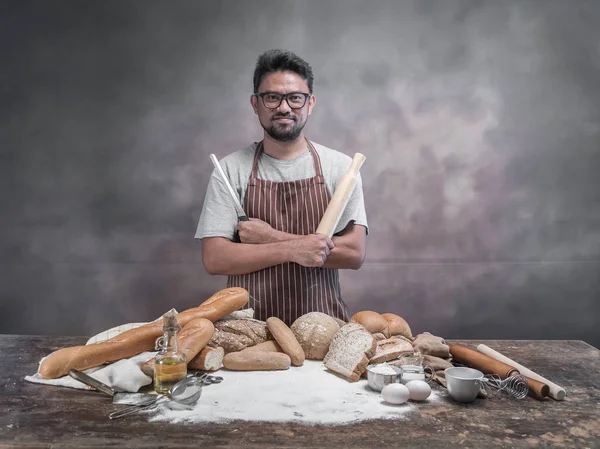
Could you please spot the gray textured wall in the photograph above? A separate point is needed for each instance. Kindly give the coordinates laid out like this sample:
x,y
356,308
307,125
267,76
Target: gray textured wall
x,y
480,121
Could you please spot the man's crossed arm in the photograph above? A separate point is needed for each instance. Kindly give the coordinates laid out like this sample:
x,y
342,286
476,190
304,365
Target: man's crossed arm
x,y
262,247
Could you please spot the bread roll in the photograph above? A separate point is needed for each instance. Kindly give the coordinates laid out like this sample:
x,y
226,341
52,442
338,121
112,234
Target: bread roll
x,y
256,361
235,335
286,339
372,321
190,341
397,325
209,359
314,331
267,346
140,339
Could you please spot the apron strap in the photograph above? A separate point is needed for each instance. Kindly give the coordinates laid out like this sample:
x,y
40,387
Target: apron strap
x,y
260,149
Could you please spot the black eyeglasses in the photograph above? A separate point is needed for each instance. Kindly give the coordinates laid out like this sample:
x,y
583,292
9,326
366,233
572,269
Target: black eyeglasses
x,y
272,100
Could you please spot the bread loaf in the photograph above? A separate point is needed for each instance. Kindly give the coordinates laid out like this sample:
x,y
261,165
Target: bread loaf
x,y
314,331
256,361
137,340
339,322
397,325
390,349
267,346
209,359
190,340
286,339
235,335
379,336
349,351
372,321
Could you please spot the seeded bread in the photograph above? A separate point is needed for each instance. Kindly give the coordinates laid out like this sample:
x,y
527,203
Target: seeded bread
x,y
235,335
349,351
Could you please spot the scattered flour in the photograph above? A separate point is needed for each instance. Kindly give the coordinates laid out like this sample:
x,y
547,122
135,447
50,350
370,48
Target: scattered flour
x,y
308,395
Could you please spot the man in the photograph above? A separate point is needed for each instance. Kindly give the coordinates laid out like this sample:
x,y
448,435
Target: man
x,y
284,184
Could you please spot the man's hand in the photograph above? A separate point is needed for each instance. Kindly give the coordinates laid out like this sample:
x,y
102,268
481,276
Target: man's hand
x,y
256,231
311,250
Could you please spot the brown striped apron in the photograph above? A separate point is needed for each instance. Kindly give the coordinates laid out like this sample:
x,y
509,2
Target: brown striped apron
x,y
290,290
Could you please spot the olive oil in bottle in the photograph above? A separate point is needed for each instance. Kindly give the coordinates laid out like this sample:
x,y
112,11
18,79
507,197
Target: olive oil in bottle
x,y
170,365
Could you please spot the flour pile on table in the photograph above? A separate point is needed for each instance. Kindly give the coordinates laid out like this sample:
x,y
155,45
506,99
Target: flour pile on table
x,y
308,394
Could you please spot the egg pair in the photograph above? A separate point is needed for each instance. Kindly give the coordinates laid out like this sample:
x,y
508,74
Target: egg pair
x,y
415,390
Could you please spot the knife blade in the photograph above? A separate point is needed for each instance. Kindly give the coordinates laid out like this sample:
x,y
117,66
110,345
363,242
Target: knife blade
x,y
236,202
89,380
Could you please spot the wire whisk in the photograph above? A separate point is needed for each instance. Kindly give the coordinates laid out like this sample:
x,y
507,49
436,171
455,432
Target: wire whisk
x,y
515,385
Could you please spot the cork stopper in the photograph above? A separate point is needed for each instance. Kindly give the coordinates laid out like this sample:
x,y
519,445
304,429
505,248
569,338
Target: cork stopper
x,y
170,320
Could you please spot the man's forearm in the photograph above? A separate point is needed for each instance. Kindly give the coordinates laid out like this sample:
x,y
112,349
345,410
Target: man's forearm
x,y
242,258
345,254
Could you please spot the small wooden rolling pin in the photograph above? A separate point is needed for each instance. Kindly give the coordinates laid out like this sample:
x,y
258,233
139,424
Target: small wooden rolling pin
x,y
488,365
340,198
556,392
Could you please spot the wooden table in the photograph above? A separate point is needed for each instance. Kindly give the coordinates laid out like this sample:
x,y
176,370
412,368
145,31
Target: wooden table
x,y
46,416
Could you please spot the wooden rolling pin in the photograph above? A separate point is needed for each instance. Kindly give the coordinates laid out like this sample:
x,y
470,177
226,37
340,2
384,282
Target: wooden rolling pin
x,y
340,198
489,365
556,392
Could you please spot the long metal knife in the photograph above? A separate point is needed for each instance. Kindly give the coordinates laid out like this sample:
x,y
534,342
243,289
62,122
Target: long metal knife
x,y
236,202
119,397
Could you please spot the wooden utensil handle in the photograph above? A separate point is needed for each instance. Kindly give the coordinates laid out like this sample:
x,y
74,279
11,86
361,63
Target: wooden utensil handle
x,y
340,198
555,391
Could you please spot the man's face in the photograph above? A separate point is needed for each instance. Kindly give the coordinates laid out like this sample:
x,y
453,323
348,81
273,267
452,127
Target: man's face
x,y
282,123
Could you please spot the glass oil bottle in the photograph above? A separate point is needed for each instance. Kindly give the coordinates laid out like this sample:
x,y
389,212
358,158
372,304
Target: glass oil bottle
x,y
170,365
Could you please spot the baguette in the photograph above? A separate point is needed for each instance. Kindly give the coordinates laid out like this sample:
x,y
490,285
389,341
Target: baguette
x,y
190,341
137,340
266,346
286,339
256,361
209,359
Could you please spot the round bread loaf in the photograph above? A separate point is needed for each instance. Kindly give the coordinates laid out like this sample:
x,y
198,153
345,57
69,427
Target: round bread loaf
x,y
372,321
397,325
314,331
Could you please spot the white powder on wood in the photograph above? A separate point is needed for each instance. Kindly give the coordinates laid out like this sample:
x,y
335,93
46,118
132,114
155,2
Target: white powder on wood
x,y
309,394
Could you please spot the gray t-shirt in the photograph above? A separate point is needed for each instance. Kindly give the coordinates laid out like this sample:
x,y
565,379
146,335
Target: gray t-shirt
x,y
219,218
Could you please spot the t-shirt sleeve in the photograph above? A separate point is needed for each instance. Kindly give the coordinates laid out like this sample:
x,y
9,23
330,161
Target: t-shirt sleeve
x,y
355,209
218,217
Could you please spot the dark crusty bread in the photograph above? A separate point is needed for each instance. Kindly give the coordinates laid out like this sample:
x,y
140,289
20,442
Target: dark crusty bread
x,y
235,335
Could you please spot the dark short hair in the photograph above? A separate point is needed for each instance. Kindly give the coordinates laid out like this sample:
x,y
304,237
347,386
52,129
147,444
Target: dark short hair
x,y
282,61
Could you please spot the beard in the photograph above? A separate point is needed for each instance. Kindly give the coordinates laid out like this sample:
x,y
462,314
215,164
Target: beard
x,y
284,132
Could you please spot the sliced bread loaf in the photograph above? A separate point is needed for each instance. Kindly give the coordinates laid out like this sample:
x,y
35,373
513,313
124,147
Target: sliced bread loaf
x,y
349,351
390,349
